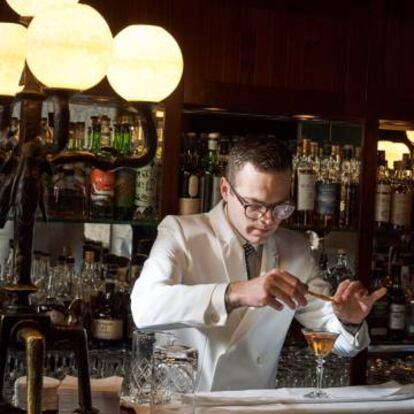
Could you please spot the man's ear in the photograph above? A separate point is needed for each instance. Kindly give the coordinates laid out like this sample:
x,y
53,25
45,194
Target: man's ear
x,y
224,188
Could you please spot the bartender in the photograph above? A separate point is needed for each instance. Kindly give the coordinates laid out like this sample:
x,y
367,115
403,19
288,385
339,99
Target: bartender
x,y
229,282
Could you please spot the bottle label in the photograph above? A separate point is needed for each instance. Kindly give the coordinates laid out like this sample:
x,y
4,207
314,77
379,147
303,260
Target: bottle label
x,y
383,203
193,186
306,191
107,329
397,316
125,188
401,209
146,186
189,206
327,198
103,184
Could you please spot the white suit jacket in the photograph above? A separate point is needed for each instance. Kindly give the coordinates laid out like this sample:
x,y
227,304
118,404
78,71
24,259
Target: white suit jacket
x,y
182,288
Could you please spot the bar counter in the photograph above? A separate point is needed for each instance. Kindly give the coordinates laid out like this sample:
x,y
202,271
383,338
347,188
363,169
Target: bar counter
x,y
385,398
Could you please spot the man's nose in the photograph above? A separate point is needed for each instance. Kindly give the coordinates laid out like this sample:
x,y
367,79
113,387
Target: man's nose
x,y
268,217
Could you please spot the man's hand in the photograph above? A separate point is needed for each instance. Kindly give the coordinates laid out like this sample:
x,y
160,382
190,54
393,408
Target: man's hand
x,y
275,288
352,303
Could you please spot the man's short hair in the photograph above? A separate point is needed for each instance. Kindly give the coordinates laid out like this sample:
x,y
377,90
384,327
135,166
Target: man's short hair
x,y
267,154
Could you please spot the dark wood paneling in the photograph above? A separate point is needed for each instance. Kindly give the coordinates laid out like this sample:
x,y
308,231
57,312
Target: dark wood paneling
x,y
278,49
398,61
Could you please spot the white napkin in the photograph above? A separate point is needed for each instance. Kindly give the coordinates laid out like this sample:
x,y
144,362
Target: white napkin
x,y
106,394
389,391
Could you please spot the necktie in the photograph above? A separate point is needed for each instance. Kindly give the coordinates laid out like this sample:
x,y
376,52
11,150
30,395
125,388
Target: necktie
x,y
249,253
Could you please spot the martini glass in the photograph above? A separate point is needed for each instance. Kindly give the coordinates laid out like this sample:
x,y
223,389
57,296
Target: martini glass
x,y
321,342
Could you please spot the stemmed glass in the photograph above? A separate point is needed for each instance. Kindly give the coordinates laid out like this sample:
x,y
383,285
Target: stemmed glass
x,y
321,342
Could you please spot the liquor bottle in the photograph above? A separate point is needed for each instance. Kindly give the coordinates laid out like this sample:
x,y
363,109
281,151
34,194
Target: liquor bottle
x,y
137,136
223,155
125,147
341,270
46,132
95,134
305,186
80,136
90,277
328,190
102,193
52,304
123,296
295,161
148,179
401,196
118,139
210,182
314,157
378,317
107,320
69,197
189,188
397,305
383,191
124,193
348,205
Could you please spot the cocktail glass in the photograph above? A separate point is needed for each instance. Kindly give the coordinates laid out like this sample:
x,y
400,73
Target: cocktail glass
x,y
321,342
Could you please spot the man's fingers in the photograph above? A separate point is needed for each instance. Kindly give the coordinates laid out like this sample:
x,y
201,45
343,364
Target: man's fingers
x,y
377,294
342,288
278,275
275,304
293,291
279,294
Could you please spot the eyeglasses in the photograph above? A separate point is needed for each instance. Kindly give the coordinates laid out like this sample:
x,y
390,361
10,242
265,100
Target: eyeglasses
x,y
252,211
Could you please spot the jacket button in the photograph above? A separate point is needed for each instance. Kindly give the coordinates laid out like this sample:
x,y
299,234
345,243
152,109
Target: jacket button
x,y
214,318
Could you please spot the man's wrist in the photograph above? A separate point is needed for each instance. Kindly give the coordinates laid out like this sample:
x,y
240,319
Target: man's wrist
x,y
231,299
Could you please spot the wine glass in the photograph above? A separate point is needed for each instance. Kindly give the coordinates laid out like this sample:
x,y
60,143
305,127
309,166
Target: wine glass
x,y
321,342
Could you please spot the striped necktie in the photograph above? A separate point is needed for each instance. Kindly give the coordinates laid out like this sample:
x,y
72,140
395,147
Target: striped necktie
x,y
249,252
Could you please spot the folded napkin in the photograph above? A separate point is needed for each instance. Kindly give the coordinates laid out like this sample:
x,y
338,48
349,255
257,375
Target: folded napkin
x,y
106,393
389,391
49,393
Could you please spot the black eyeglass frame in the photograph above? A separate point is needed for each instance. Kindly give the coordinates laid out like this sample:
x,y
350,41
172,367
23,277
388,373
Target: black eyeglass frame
x,y
275,208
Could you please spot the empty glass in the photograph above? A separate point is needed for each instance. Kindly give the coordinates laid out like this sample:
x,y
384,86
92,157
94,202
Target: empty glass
x,y
173,379
141,367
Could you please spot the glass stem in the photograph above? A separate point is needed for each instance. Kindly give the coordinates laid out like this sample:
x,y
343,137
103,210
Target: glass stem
x,y
319,373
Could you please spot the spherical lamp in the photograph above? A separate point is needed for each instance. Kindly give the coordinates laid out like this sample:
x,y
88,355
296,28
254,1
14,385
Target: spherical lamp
x,y
12,56
69,47
28,8
146,64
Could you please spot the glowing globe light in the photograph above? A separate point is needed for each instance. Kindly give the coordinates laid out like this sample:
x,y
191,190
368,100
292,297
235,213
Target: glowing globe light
x,y
146,65
30,8
69,47
12,56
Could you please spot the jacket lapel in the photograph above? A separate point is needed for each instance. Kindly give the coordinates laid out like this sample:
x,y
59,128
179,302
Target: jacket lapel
x,y
228,246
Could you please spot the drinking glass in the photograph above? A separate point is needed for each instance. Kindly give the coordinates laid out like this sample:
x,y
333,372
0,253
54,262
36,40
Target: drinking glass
x,y
321,342
173,379
141,367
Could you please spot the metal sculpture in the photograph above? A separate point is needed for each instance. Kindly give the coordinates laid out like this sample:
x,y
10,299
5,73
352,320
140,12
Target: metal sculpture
x,y
21,193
